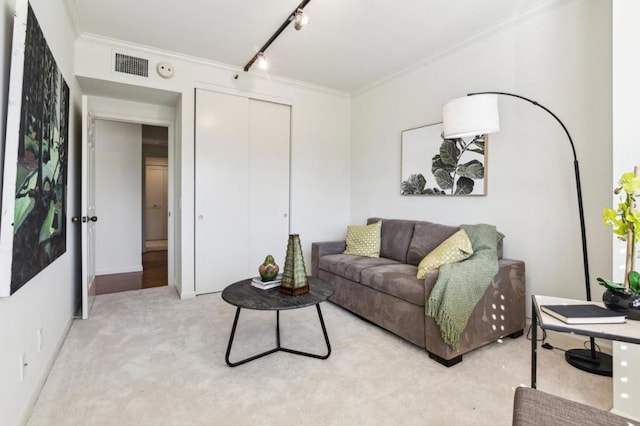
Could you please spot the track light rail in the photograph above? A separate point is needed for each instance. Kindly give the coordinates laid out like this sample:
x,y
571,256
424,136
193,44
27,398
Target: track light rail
x,y
275,35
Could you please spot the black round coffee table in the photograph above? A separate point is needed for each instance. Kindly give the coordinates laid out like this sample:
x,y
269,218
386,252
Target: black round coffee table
x,y
243,295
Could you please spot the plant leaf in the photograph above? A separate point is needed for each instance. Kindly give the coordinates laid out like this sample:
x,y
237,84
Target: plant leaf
x,y
472,170
610,284
433,191
449,152
464,186
444,179
414,185
437,164
479,143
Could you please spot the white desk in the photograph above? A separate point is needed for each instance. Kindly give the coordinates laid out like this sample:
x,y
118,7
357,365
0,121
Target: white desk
x,y
626,337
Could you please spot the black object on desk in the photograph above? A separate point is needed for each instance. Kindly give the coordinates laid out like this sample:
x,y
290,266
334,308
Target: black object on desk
x,y
243,295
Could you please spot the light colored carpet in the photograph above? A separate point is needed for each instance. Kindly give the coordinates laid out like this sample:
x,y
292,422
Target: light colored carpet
x,y
147,358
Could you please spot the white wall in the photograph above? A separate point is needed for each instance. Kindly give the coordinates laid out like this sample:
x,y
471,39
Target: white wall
x,y
626,113
320,131
48,301
118,197
558,54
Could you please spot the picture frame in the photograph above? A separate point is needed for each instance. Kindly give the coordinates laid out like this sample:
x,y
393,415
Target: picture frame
x,y
34,186
433,165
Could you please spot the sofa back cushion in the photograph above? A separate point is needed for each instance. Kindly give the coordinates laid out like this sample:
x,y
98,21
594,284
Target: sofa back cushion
x,y
426,237
395,238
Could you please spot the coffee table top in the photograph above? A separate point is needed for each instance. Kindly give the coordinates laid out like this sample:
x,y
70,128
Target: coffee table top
x,y
243,295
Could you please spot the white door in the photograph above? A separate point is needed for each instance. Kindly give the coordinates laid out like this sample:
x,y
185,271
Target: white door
x,y
222,189
156,202
242,187
269,136
88,208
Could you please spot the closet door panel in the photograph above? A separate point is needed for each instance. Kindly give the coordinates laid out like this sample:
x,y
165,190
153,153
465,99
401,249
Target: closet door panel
x,y
269,142
222,190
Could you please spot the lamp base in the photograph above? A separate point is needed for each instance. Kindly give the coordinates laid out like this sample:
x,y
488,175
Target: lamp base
x,y
582,359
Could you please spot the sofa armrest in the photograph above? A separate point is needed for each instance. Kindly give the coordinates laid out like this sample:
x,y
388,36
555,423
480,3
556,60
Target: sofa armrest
x,y
322,249
499,313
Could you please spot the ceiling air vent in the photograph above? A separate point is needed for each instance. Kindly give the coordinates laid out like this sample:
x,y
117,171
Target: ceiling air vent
x,y
131,65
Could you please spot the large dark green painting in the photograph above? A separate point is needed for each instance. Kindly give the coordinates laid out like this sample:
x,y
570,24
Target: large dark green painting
x,y
39,219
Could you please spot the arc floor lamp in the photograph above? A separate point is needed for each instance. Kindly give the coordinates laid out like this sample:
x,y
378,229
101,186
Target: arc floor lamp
x,y
477,114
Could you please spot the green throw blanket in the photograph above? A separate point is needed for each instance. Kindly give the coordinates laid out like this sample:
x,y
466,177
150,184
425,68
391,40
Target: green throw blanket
x,y
461,285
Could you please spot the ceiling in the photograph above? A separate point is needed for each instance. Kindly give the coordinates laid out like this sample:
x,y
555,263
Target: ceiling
x,y
348,44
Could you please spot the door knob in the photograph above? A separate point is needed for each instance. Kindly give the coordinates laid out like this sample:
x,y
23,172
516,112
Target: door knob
x,y
84,219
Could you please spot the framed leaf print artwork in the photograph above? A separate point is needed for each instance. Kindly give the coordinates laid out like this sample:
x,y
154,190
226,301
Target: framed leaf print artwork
x,y
34,197
433,165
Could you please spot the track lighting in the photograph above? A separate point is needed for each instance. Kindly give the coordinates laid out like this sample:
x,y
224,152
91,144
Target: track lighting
x,y
263,64
299,19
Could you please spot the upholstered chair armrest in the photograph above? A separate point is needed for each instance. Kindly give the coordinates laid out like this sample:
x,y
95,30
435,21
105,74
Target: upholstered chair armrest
x,y
532,407
322,249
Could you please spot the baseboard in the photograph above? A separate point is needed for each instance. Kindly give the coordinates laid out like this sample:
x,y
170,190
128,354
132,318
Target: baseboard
x,y
119,270
31,401
188,295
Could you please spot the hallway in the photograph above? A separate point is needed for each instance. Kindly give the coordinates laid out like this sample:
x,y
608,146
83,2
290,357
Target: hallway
x,y
154,274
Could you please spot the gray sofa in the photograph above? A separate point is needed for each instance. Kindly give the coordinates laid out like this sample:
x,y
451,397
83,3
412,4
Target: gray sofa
x,y
386,292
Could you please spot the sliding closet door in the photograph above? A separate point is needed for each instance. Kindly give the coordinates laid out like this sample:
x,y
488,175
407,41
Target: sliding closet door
x,y
242,187
222,190
269,127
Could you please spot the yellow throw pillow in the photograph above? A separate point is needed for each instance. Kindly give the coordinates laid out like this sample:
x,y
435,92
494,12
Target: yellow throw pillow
x,y
452,250
364,240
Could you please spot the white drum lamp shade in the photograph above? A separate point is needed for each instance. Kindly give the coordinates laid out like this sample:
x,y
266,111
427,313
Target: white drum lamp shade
x,y
470,116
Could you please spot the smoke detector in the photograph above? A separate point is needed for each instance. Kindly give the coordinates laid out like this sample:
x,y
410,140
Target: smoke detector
x,y
165,70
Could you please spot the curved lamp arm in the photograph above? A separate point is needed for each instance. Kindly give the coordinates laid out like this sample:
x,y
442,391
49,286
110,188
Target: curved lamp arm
x,y
576,167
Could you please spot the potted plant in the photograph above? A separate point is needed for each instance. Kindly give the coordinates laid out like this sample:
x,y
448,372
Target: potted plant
x,y
625,296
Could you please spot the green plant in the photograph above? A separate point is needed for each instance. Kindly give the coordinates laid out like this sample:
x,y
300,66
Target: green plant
x,y
625,221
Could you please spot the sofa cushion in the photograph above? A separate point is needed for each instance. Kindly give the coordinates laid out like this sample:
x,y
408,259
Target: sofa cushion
x,y
364,240
395,237
397,280
348,266
454,249
426,237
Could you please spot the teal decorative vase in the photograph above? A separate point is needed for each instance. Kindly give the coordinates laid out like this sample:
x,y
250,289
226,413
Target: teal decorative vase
x,y
294,277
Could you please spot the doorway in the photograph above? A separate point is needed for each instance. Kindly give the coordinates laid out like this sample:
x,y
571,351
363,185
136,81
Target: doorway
x,y
132,242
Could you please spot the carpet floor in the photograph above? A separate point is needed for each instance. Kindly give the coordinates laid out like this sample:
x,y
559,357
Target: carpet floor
x,y
147,358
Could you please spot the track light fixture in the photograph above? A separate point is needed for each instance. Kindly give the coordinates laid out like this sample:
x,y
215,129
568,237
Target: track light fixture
x,y
263,64
299,19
